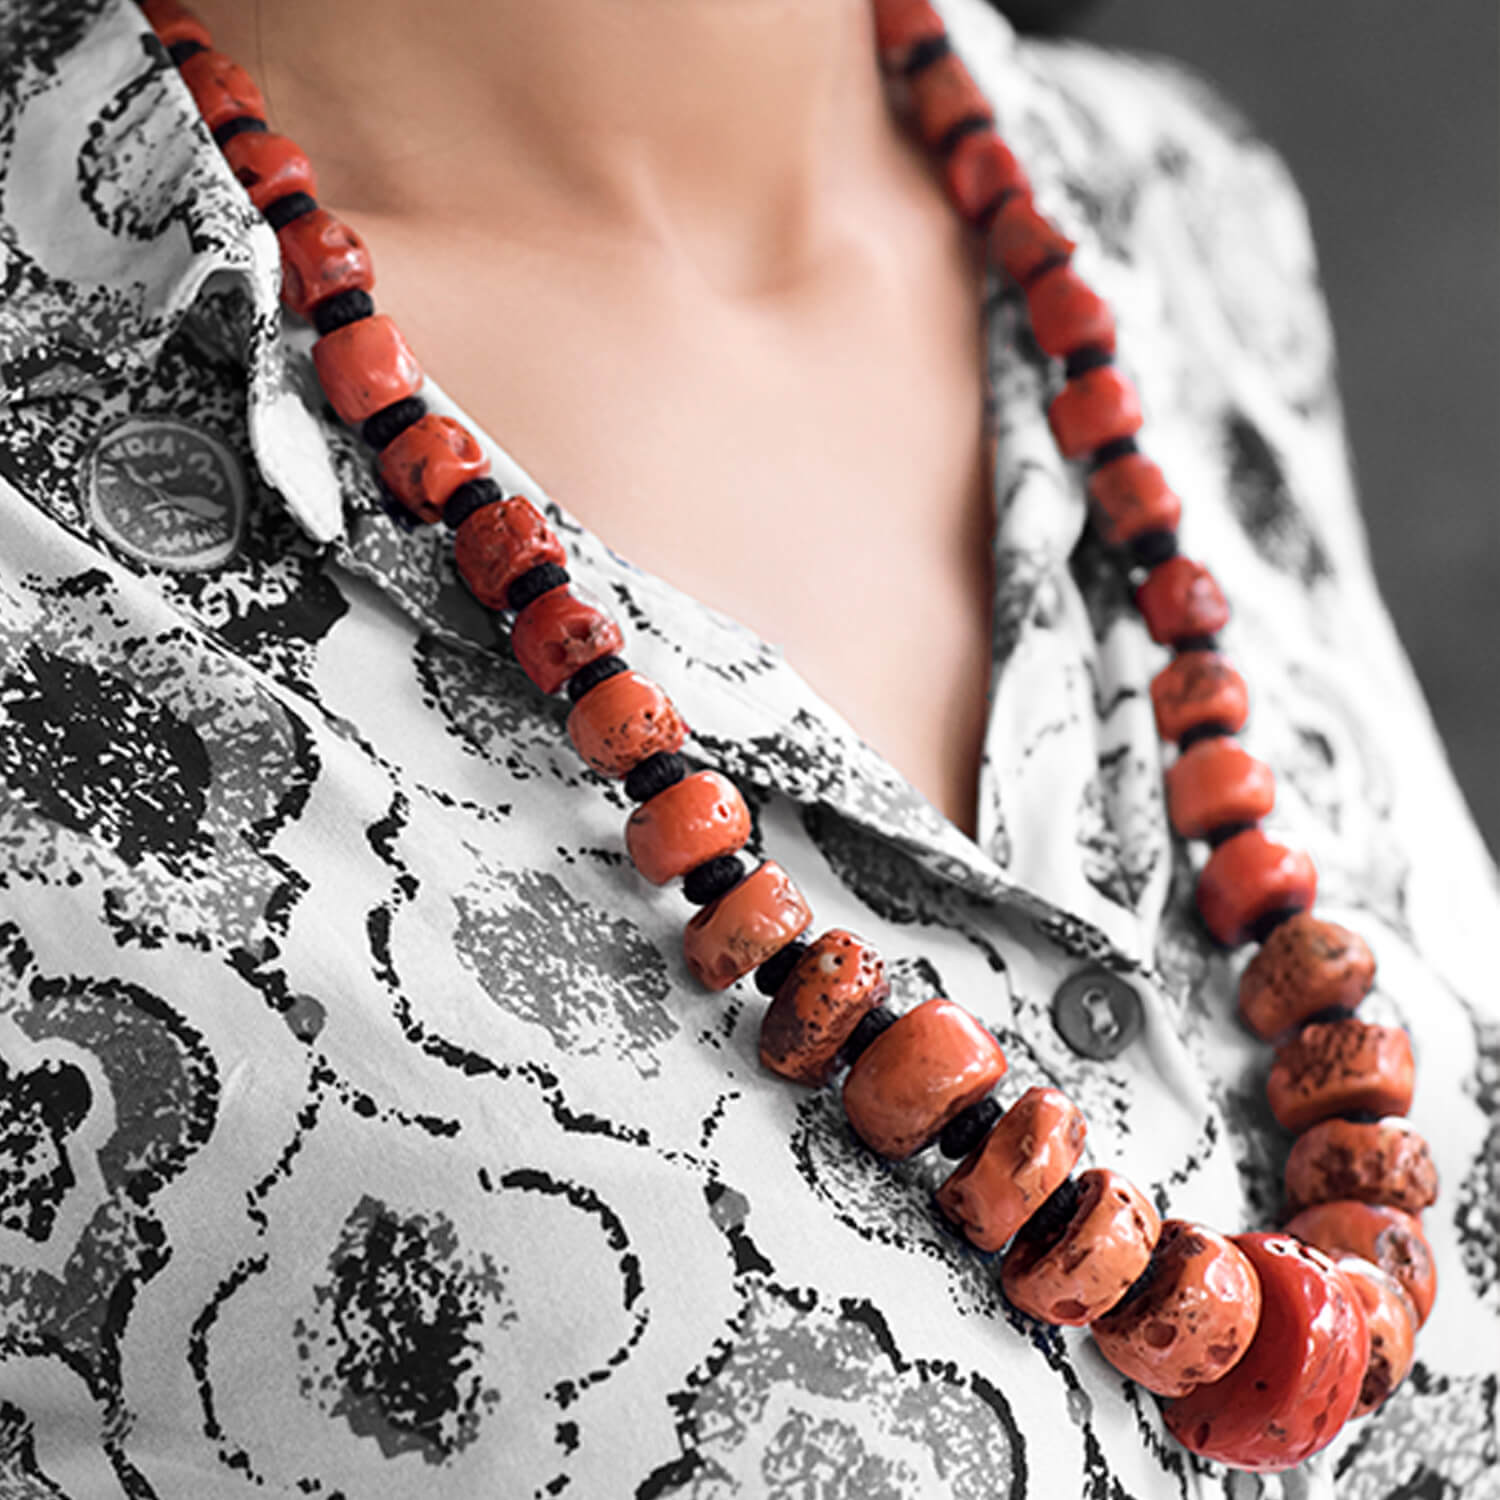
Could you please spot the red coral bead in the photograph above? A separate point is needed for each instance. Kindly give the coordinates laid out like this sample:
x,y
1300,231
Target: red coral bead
x,y
699,818
1248,877
1215,783
1299,1381
1131,495
321,255
559,632
1385,1235
1023,243
365,366
1181,600
622,720
747,924
901,25
174,23
428,461
222,90
978,170
1093,409
269,166
498,542
946,95
1198,689
1067,314
1340,1067
832,987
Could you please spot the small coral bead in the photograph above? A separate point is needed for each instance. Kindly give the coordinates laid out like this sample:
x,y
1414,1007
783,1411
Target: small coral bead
x,y
1092,410
1130,494
946,95
901,25
428,461
1387,1236
1375,1161
1215,783
747,924
932,1063
365,366
1084,1272
622,720
1181,600
1194,1319
1249,877
321,255
1300,1379
831,988
559,632
269,166
1067,314
174,23
222,90
499,542
1196,690
978,170
1033,1147
1306,965
1023,242
1337,1067
1392,1321
694,820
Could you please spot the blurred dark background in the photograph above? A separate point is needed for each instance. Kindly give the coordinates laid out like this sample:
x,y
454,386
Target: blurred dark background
x,y
1389,116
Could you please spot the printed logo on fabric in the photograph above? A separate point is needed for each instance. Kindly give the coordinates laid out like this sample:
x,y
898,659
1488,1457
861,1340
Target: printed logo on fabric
x,y
167,492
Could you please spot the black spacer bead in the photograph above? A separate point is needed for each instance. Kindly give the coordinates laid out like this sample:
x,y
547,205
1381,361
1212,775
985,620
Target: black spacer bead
x,y
1049,1221
533,583
1268,924
473,495
1225,832
387,424
1051,263
243,125
1361,1116
288,207
1152,548
593,673
926,52
1190,737
967,1128
969,125
991,210
712,878
1120,448
1089,357
179,52
1325,1017
1196,643
343,308
771,974
1143,1281
871,1024
659,770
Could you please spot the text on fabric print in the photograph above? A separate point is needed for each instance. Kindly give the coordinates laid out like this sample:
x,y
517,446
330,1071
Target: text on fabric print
x,y
167,492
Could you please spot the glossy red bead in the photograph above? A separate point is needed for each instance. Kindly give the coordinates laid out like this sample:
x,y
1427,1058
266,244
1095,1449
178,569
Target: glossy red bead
x,y
1215,783
1181,600
1300,1379
559,632
498,542
1093,409
1385,1235
269,166
1131,496
1248,877
174,23
1198,689
365,366
428,461
1067,314
222,90
694,820
321,255
901,25
945,95
1023,242
978,170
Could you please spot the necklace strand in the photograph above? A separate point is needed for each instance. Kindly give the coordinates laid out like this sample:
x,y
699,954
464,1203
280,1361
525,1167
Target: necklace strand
x,y
1262,1344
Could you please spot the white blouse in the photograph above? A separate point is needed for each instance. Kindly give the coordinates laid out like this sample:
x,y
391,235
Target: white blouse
x,y
362,1133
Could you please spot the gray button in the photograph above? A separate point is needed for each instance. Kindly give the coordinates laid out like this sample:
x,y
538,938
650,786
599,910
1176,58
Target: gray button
x,y
1096,1013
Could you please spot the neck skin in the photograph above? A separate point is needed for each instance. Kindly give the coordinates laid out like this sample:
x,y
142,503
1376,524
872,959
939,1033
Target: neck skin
x,y
733,134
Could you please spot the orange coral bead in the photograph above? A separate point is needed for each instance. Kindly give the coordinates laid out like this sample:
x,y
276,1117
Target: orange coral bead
x,y
694,820
830,989
1198,689
269,166
222,90
1193,1321
978,171
622,720
1375,1161
428,461
1300,1379
926,1067
946,96
1392,1239
1095,408
1249,877
1305,966
1023,242
174,23
1181,600
901,25
1016,1168
1215,783
1067,314
745,926
365,366
321,255
1131,495
498,542
559,632
1392,1321
1337,1067
1081,1274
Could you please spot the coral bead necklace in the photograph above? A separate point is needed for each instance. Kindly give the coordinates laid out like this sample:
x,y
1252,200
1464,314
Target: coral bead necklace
x,y
1262,1344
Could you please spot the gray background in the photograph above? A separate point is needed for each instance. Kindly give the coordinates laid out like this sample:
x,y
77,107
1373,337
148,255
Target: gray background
x,y
1388,113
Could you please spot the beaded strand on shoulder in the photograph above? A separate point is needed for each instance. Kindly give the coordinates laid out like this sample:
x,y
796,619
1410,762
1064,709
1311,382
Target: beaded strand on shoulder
x,y
1262,1344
